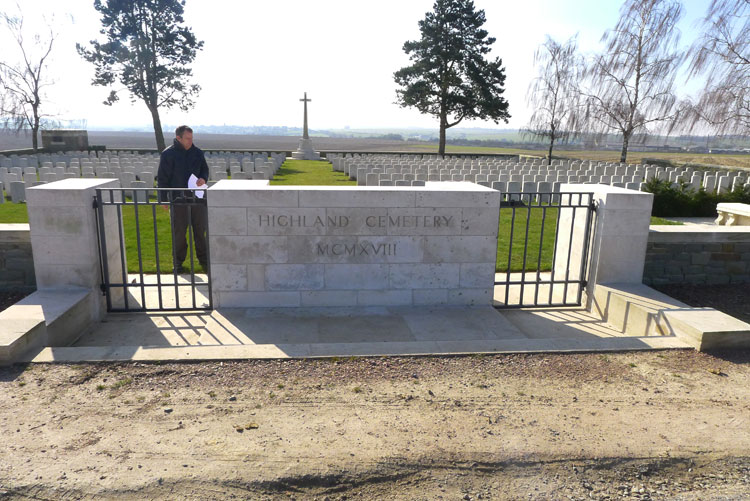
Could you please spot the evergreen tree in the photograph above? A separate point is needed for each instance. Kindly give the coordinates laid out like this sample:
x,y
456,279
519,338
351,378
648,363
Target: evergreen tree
x,y
147,49
449,77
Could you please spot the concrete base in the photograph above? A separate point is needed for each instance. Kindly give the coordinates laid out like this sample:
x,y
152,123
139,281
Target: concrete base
x,y
305,151
638,310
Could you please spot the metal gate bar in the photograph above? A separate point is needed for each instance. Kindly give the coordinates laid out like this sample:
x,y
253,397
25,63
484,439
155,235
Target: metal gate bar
x,y
116,199
529,276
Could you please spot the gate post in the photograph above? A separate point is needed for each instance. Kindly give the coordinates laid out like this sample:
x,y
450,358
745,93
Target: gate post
x,y
618,238
64,237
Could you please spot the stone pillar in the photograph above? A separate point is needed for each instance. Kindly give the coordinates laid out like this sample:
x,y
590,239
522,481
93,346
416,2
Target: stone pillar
x,y
64,236
620,228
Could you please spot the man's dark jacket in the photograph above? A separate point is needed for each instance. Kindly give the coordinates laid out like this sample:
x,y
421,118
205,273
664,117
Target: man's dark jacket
x,y
177,164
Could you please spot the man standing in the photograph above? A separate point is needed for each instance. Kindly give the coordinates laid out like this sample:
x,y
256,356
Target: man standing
x,y
177,163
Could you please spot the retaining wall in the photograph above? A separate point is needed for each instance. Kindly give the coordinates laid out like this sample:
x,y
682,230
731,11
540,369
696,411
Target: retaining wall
x,y
697,255
16,260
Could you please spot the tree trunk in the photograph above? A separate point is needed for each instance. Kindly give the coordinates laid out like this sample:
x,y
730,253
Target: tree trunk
x,y
35,130
160,145
441,146
625,141
549,156
34,138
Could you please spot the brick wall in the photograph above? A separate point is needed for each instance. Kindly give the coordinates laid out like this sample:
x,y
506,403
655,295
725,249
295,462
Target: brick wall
x,y
16,261
697,255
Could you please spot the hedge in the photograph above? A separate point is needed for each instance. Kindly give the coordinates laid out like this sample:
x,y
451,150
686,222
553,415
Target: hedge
x,y
680,200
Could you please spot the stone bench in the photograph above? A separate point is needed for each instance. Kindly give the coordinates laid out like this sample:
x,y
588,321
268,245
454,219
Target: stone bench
x,y
733,214
638,310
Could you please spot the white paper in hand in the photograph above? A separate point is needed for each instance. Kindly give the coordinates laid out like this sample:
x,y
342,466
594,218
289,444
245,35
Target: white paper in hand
x,y
193,185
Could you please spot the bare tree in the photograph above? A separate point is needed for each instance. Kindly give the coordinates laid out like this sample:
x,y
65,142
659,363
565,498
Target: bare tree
x,y
630,87
553,95
722,53
22,81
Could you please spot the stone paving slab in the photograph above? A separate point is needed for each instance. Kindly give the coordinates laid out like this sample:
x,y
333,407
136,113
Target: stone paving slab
x,y
282,351
262,333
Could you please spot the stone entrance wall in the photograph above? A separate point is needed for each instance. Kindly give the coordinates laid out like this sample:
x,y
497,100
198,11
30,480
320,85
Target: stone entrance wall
x,y
352,246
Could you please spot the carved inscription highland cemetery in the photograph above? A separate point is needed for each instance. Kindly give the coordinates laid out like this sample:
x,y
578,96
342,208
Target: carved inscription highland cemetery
x,y
341,222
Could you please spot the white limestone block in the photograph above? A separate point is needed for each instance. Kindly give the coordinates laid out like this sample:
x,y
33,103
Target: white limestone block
x,y
228,221
424,276
454,249
280,277
356,276
248,249
384,297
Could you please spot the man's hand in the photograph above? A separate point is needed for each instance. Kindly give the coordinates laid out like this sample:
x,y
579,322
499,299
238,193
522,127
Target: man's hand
x,y
200,182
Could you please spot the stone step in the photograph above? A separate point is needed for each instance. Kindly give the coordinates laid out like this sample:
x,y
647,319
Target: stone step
x,y
638,310
44,318
322,350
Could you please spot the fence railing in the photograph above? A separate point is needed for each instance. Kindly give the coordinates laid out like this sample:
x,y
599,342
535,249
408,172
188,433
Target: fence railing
x,y
543,244
141,269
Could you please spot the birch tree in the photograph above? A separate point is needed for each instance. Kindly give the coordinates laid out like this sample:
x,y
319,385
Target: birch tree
x,y
553,94
630,86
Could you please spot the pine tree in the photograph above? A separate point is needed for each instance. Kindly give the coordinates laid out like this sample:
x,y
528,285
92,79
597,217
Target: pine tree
x,y
450,77
147,49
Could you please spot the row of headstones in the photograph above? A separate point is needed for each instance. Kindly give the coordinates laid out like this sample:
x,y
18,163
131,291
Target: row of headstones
x,y
15,180
610,168
246,167
481,159
607,168
384,173
74,157
82,159
61,170
710,182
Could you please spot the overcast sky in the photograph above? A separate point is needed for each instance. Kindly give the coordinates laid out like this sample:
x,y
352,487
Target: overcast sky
x,y
260,56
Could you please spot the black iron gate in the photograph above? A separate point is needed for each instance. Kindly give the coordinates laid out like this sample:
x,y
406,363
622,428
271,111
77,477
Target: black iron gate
x,y
543,249
138,255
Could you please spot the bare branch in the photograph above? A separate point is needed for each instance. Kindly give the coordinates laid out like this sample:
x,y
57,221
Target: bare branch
x,y
22,80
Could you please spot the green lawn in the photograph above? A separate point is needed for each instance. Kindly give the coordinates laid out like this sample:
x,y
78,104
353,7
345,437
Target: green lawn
x,y
666,222
537,239
306,172
148,218
310,173
13,213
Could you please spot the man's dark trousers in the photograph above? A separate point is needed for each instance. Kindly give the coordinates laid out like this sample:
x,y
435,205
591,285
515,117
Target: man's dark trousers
x,y
194,214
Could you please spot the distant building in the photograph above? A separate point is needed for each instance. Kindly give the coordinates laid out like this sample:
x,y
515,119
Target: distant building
x,y
65,139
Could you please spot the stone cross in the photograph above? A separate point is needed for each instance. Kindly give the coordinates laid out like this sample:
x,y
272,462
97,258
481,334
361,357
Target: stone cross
x,y
304,129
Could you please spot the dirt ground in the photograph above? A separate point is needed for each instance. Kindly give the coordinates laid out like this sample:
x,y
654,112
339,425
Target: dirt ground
x,y
652,425
9,298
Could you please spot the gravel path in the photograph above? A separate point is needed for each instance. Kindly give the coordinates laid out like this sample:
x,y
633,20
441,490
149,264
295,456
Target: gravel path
x,y
653,425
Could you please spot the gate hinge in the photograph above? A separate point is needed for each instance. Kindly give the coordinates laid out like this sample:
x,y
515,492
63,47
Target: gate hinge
x,y
95,204
103,288
593,205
